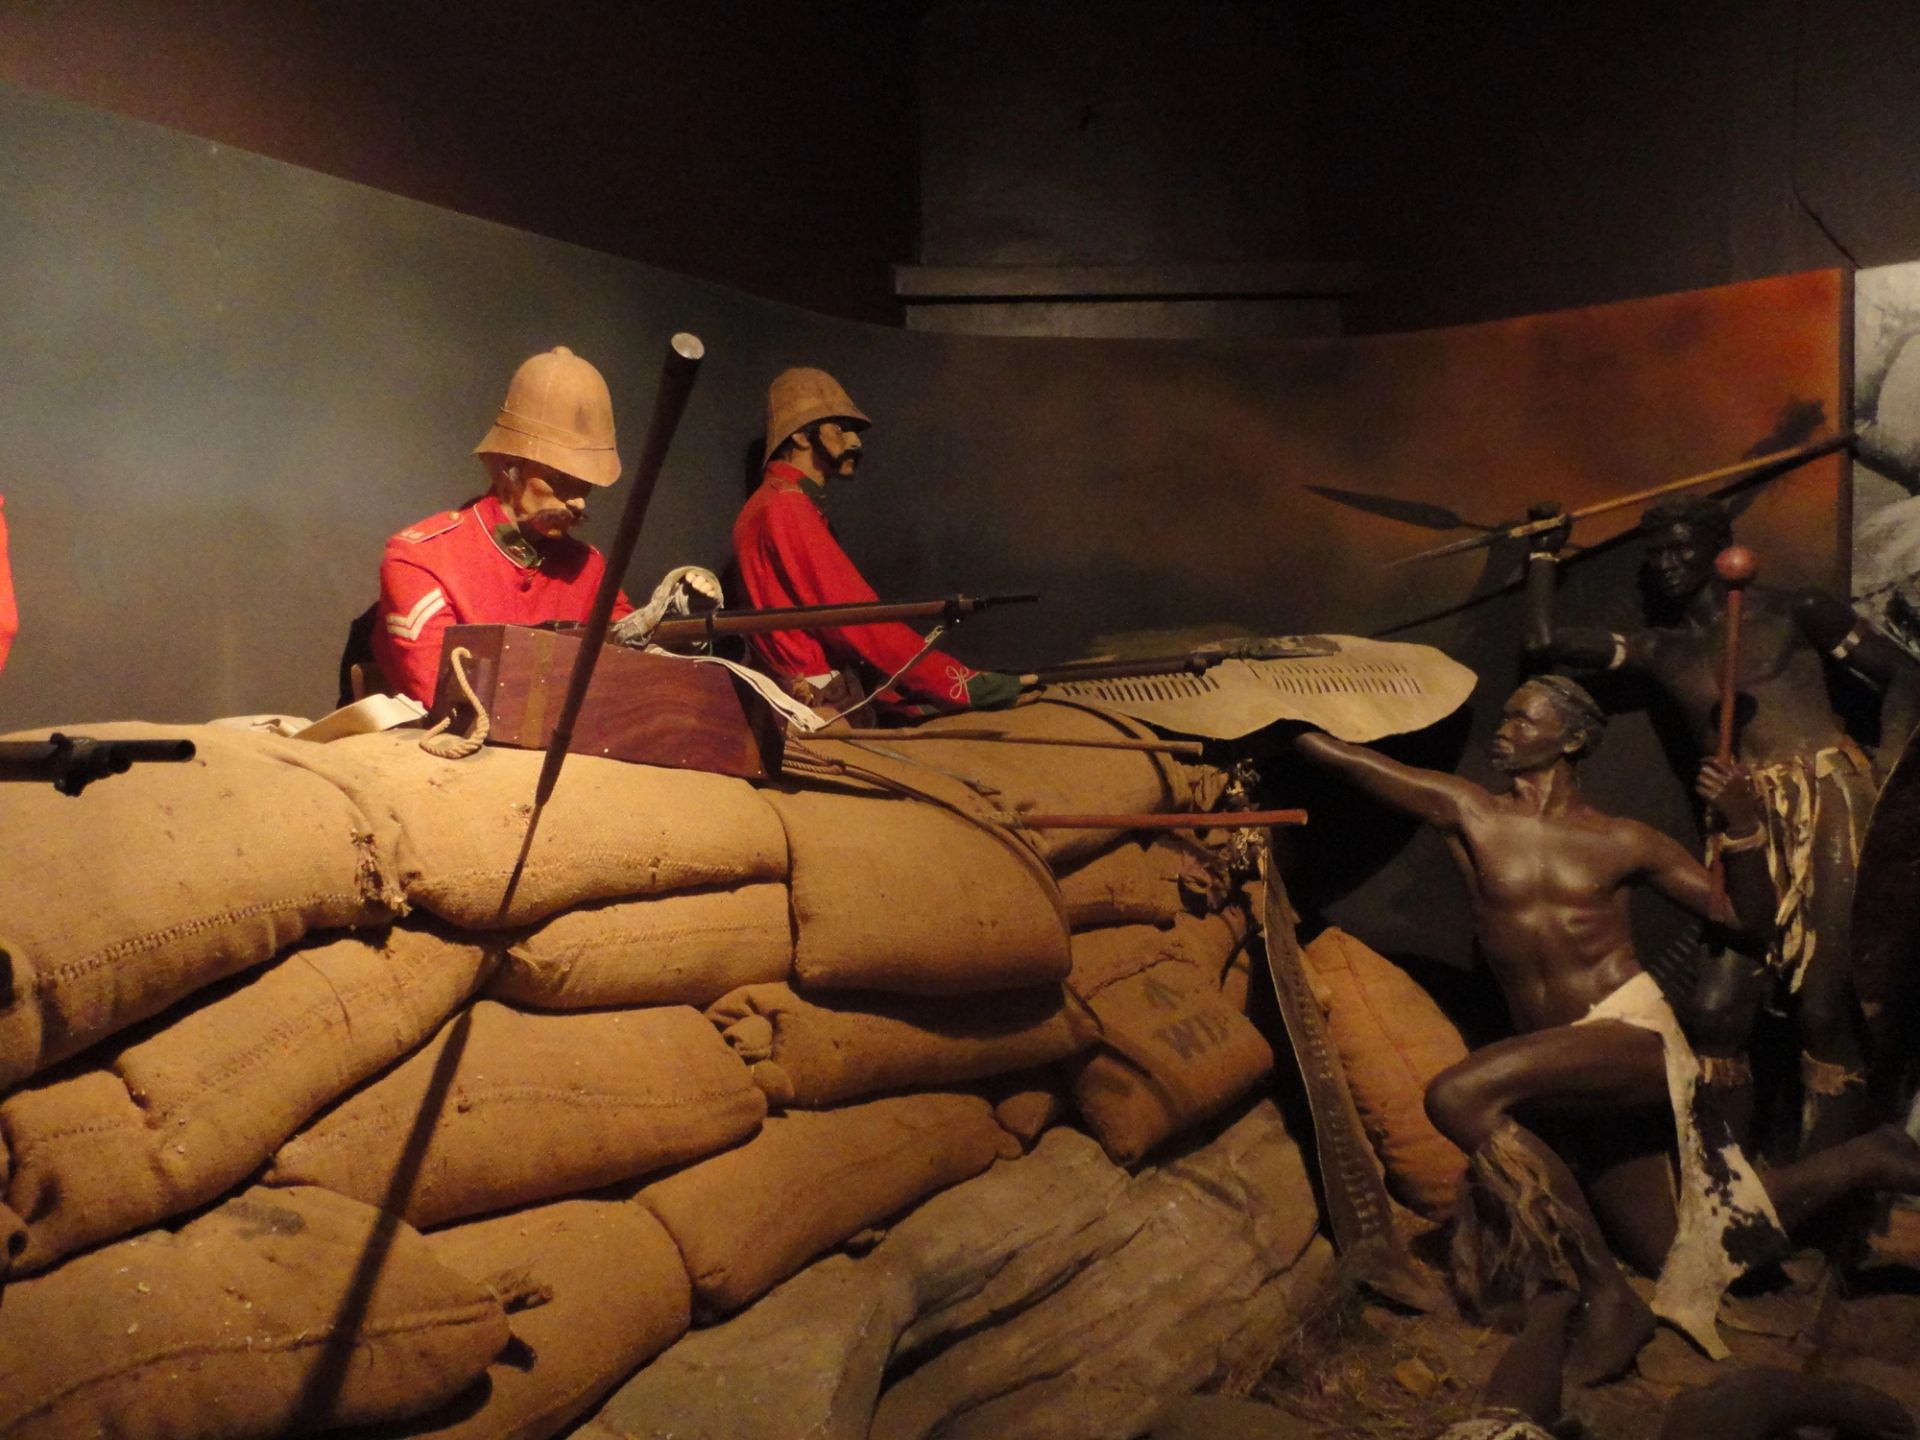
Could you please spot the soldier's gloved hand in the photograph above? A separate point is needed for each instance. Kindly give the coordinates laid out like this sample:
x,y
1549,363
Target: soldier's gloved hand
x,y
992,690
1549,542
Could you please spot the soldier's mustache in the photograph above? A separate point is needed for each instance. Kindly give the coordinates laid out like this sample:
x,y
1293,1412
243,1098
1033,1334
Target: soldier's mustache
x,y
556,517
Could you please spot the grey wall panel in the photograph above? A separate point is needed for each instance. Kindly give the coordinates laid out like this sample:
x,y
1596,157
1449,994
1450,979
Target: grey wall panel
x,y
226,380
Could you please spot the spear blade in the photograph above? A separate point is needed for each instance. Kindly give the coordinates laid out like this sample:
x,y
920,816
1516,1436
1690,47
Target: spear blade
x,y
1407,512
1780,461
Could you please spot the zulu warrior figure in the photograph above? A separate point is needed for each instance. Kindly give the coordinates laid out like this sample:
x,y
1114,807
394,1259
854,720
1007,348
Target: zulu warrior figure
x,y
1816,785
787,556
1548,878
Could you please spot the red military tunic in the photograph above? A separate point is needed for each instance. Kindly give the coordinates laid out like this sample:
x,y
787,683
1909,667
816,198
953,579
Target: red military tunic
x,y
788,556
9,615
473,566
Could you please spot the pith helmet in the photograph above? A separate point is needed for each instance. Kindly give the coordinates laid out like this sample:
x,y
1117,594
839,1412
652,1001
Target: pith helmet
x,y
557,413
801,397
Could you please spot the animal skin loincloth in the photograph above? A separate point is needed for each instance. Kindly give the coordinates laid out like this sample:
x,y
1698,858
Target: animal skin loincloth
x,y
1512,1236
1796,794
1727,1222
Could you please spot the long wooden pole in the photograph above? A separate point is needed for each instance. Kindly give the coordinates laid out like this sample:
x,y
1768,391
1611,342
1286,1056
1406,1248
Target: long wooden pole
x,y
682,365
1736,567
1798,455
1192,749
1216,820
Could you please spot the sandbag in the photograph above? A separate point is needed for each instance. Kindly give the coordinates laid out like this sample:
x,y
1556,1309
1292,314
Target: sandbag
x,y
985,777
1145,882
810,1054
746,1219
1392,1040
1208,948
118,902
174,1119
527,1107
611,829
899,895
595,1289
254,1320
1028,1105
664,950
1173,1051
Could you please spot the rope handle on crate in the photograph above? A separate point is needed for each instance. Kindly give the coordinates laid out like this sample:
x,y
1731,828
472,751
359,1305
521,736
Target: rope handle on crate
x,y
458,747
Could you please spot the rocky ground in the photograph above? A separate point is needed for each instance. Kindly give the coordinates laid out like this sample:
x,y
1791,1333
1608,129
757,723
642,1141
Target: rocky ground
x,y
1361,1371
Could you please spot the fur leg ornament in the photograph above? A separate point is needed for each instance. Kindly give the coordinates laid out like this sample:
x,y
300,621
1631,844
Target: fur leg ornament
x,y
1512,1237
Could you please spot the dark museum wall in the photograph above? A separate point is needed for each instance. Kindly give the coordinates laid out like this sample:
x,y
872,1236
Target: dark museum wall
x,y
1474,159
1502,158
764,144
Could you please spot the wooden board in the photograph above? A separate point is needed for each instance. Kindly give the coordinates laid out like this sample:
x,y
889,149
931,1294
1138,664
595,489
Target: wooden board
x,y
648,709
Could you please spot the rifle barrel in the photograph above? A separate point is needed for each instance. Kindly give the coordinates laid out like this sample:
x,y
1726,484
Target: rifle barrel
x,y
73,762
60,747
1196,663
822,617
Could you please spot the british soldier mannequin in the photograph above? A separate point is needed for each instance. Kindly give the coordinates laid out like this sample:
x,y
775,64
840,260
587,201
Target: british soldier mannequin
x,y
509,556
788,556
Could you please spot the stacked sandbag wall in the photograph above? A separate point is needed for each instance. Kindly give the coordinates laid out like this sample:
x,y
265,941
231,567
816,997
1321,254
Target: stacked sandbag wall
x,y
716,1031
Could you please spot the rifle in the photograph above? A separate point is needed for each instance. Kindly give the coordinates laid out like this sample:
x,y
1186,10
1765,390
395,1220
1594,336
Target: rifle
x,y
1193,662
72,762
717,623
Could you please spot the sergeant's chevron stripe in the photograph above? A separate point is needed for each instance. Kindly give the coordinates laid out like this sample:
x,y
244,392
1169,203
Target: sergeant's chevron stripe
x,y
409,625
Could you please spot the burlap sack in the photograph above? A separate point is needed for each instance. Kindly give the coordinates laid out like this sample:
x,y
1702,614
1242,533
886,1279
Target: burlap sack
x,y
523,1107
1030,1107
1172,1051
174,1119
1392,1040
151,884
892,894
595,1289
1145,882
611,830
986,777
257,1319
811,1055
1207,947
747,1219
666,950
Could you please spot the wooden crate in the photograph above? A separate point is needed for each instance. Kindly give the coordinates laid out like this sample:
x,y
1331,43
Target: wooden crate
x,y
648,709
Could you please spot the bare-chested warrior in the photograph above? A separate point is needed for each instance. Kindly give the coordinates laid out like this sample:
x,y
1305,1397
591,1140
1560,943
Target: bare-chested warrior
x,y
1548,878
1816,783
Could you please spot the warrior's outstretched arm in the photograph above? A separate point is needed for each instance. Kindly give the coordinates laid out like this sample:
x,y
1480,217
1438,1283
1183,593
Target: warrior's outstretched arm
x,y
1835,628
1431,795
1544,644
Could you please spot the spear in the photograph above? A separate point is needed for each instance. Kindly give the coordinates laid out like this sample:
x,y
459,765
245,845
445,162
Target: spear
x,y
669,402
1784,459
